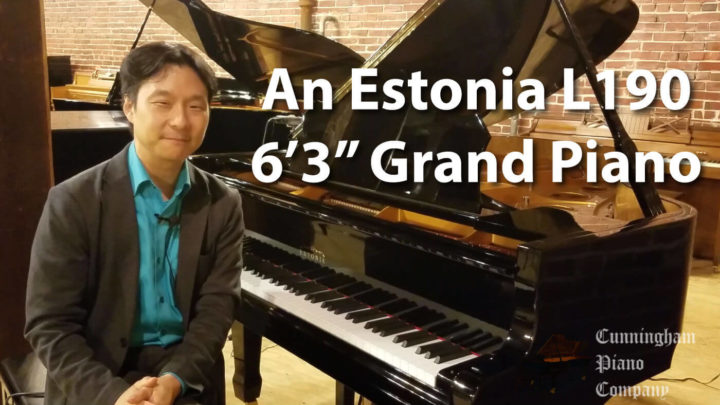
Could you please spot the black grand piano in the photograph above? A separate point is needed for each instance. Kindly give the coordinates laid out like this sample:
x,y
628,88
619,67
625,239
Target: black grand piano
x,y
431,293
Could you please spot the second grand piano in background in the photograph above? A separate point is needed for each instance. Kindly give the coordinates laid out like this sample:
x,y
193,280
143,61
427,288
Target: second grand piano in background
x,y
451,294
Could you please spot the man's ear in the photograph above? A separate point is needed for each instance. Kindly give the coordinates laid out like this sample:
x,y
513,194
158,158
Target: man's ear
x,y
129,109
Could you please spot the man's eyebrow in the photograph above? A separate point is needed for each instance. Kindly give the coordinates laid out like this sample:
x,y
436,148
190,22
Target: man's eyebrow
x,y
198,97
165,93
160,93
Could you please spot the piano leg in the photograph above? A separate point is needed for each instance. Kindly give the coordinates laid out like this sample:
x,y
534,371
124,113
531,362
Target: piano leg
x,y
246,349
344,395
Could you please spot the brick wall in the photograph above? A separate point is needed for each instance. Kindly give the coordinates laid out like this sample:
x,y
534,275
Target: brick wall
x,y
671,34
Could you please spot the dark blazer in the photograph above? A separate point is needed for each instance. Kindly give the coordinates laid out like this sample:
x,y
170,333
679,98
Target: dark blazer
x,y
83,281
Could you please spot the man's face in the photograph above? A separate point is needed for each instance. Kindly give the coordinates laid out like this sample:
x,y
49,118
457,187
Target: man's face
x,y
170,115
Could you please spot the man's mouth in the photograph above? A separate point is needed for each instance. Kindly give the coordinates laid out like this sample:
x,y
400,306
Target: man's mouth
x,y
176,139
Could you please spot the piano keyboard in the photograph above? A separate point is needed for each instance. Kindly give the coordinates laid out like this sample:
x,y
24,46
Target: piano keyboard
x,y
710,168
414,338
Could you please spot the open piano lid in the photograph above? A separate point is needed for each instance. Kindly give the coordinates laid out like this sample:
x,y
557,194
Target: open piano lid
x,y
250,50
476,39
445,39
460,40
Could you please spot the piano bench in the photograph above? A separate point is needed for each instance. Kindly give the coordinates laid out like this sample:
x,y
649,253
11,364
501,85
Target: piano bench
x,y
22,380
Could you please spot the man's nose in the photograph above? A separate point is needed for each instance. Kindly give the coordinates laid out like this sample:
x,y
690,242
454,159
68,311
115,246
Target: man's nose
x,y
179,118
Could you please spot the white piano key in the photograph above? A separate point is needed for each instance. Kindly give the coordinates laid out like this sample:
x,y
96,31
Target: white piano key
x,y
402,358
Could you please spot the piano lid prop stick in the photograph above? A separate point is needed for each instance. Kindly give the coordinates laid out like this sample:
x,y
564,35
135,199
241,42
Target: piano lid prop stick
x,y
112,94
645,192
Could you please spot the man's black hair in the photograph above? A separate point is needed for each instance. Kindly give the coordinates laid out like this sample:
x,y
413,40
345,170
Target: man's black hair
x,y
147,60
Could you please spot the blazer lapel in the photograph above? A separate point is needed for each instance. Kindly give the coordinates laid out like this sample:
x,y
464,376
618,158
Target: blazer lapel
x,y
193,220
119,234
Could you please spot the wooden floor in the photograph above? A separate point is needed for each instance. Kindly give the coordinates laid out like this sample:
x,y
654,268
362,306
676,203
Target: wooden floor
x,y
287,380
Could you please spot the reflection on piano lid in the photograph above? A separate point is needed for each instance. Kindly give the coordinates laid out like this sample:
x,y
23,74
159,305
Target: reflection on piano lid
x,y
250,50
457,294
528,36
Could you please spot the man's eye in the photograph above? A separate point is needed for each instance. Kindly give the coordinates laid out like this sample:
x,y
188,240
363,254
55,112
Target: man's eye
x,y
197,107
161,103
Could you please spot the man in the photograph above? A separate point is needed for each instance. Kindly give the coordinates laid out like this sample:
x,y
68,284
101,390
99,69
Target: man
x,y
135,266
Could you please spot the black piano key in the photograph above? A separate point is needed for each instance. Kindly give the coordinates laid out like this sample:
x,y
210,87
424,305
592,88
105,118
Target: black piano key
x,y
450,355
433,348
376,297
342,306
410,335
332,305
273,273
317,273
355,288
379,323
324,296
289,262
291,285
418,340
485,344
393,329
261,264
466,337
414,338
410,316
446,351
267,268
443,326
422,316
288,279
389,326
452,331
397,306
365,315
353,306
477,339
335,280
251,261
301,266
308,288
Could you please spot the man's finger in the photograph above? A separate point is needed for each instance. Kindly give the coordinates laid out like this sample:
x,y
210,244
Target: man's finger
x,y
140,395
146,382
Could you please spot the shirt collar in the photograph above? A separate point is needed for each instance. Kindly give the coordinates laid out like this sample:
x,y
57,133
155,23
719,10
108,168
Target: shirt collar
x,y
183,182
139,176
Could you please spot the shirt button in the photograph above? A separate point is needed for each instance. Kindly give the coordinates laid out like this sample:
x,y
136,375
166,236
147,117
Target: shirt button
x,y
162,300
157,261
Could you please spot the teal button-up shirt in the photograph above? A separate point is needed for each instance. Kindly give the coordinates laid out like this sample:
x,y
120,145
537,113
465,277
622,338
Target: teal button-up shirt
x,y
158,320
